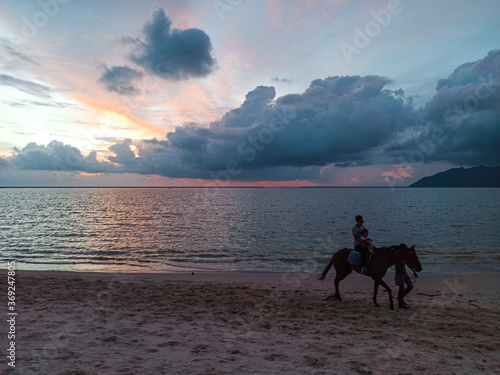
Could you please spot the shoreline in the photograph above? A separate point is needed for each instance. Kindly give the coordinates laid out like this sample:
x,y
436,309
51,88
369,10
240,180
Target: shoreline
x,y
390,271
222,274
223,323
429,270
487,284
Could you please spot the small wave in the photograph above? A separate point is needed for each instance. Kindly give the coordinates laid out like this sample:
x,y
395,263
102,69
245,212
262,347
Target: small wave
x,y
80,263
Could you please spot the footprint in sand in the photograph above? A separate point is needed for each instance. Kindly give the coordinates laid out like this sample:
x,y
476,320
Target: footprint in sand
x,y
314,361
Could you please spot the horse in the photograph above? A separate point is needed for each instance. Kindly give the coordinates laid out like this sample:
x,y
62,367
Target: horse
x,y
377,268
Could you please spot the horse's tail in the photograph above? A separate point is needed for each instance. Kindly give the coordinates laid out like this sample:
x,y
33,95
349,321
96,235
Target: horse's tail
x,y
322,275
337,259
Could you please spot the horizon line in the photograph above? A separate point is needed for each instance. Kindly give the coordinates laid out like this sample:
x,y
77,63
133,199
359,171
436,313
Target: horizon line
x,y
201,187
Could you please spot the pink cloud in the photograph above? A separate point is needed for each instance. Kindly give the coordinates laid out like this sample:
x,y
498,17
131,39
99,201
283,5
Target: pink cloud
x,y
397,172
373,175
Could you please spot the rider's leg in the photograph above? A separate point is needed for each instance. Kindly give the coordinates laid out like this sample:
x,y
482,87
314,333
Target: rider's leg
x,y
365,259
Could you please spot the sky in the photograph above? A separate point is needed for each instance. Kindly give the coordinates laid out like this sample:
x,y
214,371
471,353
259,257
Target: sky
x,y
246,92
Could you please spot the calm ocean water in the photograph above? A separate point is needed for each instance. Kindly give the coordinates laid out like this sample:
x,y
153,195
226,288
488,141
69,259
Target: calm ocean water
x,y
254,229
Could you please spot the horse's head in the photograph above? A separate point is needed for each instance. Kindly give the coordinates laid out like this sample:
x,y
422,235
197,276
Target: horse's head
x,y
412,260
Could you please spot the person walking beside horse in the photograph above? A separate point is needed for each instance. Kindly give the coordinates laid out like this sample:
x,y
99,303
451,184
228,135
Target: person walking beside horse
x,y
401,279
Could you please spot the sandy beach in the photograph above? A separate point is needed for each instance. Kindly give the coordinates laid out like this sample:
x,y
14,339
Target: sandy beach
x,y
233,323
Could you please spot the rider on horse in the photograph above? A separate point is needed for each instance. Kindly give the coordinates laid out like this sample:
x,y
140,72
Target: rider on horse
x,y
360,244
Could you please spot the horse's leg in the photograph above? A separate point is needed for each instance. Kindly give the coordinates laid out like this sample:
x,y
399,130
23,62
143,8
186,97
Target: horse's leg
x,y
375,291
337,291
340,275
389,291
338,278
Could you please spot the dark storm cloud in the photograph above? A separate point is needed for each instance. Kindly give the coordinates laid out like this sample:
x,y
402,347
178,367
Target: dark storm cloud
x,y
59,157
472,87
336,120
28,87
256,103
345,121
120,79
463,117
173,53
162,52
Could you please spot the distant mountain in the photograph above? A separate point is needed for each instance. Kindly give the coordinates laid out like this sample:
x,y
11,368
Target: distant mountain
x,y
462,177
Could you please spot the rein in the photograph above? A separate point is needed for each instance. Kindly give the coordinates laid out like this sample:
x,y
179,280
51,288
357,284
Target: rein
x,y
415,276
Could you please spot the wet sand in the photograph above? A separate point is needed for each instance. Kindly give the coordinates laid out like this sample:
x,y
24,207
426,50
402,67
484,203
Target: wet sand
x,y
233,323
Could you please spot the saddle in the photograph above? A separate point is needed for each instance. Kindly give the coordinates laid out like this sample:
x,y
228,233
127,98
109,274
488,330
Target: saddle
x,y
354,257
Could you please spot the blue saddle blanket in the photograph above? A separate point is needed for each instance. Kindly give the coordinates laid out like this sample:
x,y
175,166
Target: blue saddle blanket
x,y
353,257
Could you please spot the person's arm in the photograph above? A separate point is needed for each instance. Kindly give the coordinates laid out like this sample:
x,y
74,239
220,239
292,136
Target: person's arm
x,y
357,237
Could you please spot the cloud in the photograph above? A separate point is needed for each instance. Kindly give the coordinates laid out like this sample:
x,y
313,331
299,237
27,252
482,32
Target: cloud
x,y
471,87
13,50
463,117
256,103
57,156
341,120
163,52
31,103
120,79
336,122
173,53
282,80
28,87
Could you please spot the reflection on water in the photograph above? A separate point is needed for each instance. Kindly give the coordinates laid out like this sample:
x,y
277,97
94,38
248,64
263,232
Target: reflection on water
x,y
289,230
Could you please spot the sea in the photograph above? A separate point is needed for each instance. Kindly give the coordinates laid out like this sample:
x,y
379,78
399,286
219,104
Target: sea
x,y
154,230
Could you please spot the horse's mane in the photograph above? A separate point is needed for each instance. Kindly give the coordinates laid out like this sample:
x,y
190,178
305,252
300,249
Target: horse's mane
x,y
393,247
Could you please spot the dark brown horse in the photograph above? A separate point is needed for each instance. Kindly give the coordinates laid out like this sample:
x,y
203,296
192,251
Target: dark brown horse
x,y
385,257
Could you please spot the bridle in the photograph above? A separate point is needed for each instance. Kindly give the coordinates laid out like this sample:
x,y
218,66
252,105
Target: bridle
x,y
415,276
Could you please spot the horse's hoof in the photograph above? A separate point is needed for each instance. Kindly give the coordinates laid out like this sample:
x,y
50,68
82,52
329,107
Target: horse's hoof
x,y
391,307
320,277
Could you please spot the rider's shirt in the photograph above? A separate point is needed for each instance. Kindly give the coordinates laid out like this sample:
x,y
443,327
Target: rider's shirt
x,y
357,230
